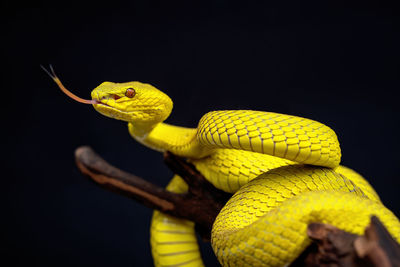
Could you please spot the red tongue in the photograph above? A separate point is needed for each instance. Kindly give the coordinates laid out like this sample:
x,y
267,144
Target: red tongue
x,y
61,86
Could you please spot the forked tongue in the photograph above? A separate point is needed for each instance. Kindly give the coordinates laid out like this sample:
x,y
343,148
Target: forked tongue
x,y
53,75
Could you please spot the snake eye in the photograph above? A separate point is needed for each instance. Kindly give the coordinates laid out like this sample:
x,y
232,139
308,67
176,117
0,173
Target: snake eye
x,y
130,92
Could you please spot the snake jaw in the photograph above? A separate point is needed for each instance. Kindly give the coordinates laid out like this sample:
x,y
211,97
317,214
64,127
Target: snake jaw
x,y
103,106
96,102
103,100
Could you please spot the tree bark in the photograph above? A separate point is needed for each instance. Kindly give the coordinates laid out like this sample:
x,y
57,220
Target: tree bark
x,y
200,204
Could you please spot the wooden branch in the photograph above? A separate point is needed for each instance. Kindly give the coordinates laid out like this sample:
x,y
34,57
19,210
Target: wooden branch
x,y
198,185
377,246
330,247
201,204
334,247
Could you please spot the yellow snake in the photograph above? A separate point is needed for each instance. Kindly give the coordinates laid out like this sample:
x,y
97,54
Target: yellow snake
x,y
284,171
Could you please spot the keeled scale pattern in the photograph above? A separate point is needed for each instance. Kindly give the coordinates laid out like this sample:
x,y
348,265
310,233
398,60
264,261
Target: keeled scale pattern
x,y
294,138
264,223
230,169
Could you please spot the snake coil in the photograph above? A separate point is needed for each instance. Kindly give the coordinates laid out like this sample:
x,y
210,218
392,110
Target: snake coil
x,y
283,170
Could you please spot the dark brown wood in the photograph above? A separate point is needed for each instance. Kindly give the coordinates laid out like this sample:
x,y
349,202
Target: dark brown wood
x,y
334,247
377,246
198,185
116,180
201,204
330,246
203,193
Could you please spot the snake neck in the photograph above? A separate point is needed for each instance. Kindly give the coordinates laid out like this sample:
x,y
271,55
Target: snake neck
x,y
163,137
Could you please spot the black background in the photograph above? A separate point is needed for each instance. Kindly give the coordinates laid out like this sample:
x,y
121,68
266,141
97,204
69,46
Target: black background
x,y
339,66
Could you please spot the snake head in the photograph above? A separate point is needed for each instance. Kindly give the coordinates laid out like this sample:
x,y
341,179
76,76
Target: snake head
x,y
138,103
135,102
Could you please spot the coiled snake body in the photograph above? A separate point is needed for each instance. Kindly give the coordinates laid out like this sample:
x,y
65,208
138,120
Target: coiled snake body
x,y
284,171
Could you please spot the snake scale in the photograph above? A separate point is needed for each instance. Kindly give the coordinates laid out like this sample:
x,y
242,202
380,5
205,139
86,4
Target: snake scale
x,y
283,170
